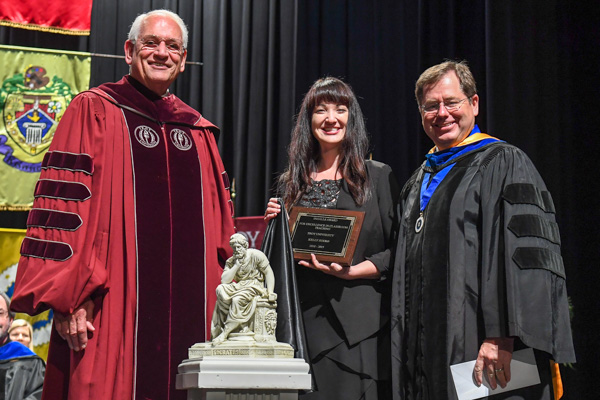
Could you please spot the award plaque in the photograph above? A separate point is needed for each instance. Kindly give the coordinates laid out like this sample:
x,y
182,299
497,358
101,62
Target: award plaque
x,y
329,234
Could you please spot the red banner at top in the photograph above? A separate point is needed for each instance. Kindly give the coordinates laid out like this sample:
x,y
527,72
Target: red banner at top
x,y
57,16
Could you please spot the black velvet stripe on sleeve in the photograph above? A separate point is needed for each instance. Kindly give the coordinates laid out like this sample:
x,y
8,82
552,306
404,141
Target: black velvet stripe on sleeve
x,y
69,161
46,249
538,258
536,226
52,219
64,190
526,193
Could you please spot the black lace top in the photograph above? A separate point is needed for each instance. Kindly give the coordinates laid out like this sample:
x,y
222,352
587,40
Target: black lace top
x,y
321,194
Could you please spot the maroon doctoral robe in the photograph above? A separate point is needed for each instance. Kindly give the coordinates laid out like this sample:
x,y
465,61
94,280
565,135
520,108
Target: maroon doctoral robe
x,y
132,210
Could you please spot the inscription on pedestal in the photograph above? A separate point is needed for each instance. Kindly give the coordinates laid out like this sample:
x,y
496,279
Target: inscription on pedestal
x,y
240,349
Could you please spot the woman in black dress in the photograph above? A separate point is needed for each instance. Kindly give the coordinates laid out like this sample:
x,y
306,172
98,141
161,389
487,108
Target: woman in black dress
x,y
345,309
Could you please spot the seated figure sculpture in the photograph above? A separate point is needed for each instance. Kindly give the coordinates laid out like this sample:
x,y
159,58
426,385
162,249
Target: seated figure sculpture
x,y
247,278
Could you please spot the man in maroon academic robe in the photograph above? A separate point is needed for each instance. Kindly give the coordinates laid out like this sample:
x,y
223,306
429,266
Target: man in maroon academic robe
x,y
131,218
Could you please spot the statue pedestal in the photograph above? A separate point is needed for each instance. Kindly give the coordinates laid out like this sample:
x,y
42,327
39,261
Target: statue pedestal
x,y
242,370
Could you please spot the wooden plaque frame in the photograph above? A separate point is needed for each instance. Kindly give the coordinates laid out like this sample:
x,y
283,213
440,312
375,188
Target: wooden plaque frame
x,y
330,234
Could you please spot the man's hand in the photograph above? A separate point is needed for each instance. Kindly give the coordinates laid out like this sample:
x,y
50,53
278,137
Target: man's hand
x,y
74,327
494,360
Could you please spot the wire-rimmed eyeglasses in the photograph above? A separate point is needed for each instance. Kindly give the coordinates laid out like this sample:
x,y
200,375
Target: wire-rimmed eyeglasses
x,y
450,105
153,42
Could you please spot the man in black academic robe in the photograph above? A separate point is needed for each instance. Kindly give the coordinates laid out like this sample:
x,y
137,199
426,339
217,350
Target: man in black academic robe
x,y
478,271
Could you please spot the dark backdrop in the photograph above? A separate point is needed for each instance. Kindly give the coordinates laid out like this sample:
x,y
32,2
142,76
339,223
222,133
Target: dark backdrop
x,y
535,63
536,67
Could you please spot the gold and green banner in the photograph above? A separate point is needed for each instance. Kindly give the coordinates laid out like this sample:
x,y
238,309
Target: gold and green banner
x,y
10,243
37,85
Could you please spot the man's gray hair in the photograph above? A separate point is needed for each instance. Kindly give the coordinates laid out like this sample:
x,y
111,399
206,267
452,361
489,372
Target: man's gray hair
x,y
136,27
11,314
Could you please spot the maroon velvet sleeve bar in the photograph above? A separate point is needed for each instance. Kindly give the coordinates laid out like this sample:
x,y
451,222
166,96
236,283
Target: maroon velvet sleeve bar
x,y
226,182
69,161
46,249
64,190
52,219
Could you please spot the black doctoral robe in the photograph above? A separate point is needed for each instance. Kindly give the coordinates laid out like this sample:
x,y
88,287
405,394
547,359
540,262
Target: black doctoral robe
x,y
485,264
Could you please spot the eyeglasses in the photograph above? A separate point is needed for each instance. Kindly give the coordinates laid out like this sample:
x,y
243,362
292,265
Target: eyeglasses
x,y
153,42
451,106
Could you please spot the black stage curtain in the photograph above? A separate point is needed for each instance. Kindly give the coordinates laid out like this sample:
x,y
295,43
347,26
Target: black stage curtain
x,y
535,64
536,68
248,81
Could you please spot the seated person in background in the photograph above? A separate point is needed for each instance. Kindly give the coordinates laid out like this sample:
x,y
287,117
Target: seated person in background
x,y
242,284
21,370
21,331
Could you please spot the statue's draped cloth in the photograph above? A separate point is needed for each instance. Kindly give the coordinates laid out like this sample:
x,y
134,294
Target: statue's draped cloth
x,y
236,301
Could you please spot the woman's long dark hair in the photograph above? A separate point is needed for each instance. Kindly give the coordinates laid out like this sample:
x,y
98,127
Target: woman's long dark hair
x,y
304,149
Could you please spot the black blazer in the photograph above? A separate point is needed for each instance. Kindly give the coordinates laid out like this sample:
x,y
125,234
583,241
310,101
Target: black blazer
x,y
361,306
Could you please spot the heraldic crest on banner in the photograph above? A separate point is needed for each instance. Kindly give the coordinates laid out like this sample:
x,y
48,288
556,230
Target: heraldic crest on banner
x,y
32,105
36,87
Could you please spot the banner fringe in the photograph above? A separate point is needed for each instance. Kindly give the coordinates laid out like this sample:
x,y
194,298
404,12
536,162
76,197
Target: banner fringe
x,y
51,29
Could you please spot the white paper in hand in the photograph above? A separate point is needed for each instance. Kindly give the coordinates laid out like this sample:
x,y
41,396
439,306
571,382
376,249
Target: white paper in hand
x,y
523,371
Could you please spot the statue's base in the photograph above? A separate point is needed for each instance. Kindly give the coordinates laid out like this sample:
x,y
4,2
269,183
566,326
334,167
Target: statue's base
x,y
242,348
229,377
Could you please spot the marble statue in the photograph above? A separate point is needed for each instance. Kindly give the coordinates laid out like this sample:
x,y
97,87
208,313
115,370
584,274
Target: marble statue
x,y
246,284
244,358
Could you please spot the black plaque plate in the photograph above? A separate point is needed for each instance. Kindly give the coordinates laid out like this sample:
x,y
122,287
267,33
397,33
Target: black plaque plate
x,y
329,234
